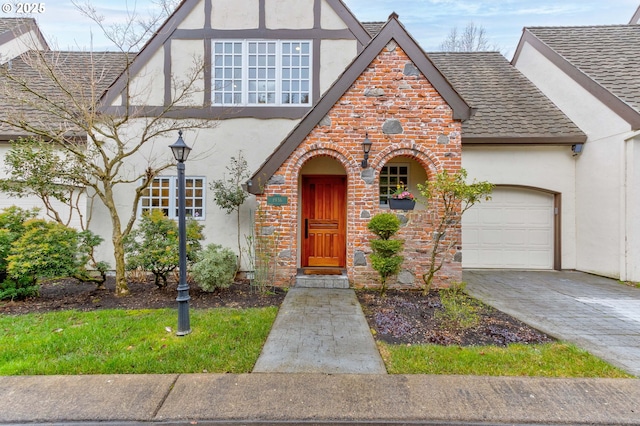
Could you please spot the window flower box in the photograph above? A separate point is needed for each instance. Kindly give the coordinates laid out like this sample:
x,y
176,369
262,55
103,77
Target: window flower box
x,y
401,203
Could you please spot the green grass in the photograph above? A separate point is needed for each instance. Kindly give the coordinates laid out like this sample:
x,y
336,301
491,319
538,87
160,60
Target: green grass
x,y
119,342
545,360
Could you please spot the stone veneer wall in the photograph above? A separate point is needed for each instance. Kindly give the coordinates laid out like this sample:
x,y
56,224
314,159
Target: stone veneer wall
x,y
404,116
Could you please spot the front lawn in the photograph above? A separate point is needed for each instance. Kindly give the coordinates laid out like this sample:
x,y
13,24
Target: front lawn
x,y
542,360
116,341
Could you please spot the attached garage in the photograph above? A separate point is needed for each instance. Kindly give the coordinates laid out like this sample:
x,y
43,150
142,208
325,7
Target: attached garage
x,y
513,230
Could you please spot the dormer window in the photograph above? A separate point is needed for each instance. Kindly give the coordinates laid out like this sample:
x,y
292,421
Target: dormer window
x,y
261,72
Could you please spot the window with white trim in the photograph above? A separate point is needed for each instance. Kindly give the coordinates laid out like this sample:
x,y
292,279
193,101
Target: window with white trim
x,y
392,175
261,72
162,194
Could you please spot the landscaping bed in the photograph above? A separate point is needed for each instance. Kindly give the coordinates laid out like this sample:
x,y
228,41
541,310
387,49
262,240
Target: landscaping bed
x,y
400,317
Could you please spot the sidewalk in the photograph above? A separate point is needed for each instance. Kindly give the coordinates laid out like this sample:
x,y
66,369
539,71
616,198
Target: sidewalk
x,y
320,327
318,398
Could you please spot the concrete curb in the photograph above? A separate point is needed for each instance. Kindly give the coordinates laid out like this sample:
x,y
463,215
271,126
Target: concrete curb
x,y
318,398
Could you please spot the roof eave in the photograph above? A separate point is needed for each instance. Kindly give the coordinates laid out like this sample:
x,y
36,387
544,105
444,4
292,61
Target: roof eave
x,y
523,140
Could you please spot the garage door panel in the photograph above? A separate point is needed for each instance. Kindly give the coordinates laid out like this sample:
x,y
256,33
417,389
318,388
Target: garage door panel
x,y
512,230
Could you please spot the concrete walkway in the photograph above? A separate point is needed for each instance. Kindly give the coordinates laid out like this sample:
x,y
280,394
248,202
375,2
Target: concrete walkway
x,y
598,314
318,399
320,331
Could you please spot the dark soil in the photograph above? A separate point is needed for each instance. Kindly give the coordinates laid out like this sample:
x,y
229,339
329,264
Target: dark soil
x,y
407,317
401,317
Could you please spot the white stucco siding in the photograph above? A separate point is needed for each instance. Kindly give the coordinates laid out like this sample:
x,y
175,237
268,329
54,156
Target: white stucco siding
x,y
195,18
329,20
187,58
212,149
545,168
601,229
235,14
68,216
335,56
293,14
147,86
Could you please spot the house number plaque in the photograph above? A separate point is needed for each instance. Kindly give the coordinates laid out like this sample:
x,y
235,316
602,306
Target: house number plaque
x,y
277,200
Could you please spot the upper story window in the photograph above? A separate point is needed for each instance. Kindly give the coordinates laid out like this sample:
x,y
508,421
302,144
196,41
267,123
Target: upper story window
x,y
162,194
261,72
391,176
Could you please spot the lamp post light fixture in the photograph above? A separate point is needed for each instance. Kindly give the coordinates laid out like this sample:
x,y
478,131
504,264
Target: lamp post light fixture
x,y
181,153
366,147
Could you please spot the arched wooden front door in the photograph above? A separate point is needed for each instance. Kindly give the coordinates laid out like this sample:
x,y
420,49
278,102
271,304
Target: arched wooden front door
x,y
324,221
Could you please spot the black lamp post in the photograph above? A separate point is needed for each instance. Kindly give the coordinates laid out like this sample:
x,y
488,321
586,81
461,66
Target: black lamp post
x,y
366,147
181,152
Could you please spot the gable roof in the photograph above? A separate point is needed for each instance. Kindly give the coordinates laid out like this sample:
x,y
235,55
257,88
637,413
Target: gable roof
x,y
602,59
11,28
168,28
86,71
509,108
392,30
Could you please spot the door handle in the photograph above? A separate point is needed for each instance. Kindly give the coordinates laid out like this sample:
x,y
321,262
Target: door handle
x,y
306,228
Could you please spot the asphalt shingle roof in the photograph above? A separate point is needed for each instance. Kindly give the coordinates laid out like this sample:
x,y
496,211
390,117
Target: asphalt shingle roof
x,y
508,105
77,71
8,24
606,54
373,28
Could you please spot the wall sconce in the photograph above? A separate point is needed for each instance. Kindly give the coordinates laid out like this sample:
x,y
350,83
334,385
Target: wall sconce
x,y
366,147
577,149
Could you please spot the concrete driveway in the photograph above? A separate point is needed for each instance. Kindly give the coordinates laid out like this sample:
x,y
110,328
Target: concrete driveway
x,y
598,314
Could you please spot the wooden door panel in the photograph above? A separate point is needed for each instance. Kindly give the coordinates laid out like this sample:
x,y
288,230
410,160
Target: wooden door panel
x,y
324,219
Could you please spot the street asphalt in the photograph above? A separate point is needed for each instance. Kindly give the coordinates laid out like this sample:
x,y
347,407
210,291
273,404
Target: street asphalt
x,y
322,396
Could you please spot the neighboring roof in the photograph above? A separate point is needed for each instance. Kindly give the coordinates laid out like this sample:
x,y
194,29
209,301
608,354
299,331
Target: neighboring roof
x,y
77,70
11,28
509,108
392,30
603,59
373,28
635,19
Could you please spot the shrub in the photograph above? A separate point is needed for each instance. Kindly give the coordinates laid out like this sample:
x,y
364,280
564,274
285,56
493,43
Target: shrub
x,y
11,228
384,225
215,268
45,250
458,311
385,258
18,289
153,245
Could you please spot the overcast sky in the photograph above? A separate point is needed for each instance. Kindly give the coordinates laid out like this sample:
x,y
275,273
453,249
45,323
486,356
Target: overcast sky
x,y
429,21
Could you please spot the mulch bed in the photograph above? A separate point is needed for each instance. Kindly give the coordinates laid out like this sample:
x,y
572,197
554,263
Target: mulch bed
x,y
401,317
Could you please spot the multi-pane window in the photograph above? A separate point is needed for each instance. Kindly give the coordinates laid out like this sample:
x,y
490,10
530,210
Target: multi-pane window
x,y
261,72
162,194
391,176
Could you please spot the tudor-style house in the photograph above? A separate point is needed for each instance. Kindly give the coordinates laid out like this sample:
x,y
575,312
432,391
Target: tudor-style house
x,y
298,86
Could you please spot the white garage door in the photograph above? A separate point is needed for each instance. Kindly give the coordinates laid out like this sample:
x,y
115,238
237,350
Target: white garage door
x,y
512,230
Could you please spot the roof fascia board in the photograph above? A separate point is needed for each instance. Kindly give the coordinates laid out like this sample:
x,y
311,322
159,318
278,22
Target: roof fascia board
x,y
523,140
635,19
354,25
392,30
626,112
19,30
149,49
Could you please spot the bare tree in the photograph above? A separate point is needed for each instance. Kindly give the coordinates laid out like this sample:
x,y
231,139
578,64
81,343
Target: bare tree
x,y
473,38
55,96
